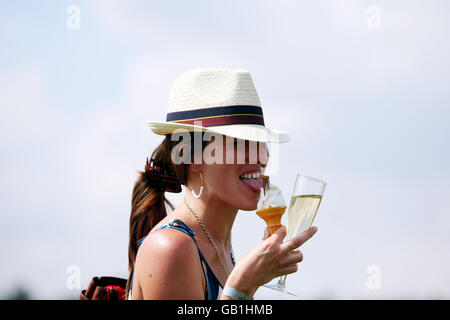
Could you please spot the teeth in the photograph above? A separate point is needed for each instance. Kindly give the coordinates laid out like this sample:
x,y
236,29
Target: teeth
x,y
255,175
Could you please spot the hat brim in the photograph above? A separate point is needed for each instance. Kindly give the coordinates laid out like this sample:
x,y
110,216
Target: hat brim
x,y
250,132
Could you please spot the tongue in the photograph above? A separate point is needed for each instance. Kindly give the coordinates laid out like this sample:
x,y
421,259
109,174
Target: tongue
x,y
253,183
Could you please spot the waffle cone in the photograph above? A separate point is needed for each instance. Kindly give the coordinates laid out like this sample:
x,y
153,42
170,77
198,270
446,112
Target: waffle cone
x,y
272,217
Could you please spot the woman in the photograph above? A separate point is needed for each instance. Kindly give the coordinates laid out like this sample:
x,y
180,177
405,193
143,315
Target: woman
x,y
187,254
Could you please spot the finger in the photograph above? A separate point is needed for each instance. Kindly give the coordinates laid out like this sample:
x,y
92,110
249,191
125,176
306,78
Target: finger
x,y
298,240
279,235
292,268
293,257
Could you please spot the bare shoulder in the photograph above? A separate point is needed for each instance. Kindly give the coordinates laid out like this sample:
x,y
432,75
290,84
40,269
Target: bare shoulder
x,y
168,266
168,244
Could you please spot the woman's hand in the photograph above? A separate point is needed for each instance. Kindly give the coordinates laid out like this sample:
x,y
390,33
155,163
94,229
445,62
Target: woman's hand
x,y
271,258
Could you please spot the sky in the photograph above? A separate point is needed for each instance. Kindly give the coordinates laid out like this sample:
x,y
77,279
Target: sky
x,y
361,86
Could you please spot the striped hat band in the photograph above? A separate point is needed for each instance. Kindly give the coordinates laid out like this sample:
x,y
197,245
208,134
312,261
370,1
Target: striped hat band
x,y
219,116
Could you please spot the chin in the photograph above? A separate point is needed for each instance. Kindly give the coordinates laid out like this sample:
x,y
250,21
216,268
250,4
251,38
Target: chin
x,y
249,205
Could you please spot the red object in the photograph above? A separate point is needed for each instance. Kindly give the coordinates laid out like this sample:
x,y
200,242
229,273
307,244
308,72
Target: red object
x,y
117,291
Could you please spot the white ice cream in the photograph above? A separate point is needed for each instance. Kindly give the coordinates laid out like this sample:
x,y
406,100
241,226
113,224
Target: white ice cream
x,y
273,198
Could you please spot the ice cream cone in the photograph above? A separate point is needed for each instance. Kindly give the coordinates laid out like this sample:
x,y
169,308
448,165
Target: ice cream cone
x,y
272,217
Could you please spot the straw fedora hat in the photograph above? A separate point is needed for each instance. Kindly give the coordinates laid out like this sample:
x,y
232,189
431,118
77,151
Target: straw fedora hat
x,y
219,101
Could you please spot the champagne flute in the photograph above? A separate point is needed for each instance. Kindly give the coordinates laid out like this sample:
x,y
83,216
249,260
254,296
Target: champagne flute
x,y
305,202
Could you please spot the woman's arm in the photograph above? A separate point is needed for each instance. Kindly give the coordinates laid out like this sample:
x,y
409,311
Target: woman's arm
x,y
168,267
271,258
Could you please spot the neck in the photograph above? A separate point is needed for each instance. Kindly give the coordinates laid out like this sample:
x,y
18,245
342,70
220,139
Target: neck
x,y
216,215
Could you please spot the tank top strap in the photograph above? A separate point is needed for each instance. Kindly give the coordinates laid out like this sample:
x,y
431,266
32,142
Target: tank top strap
x,y
173,224
179,225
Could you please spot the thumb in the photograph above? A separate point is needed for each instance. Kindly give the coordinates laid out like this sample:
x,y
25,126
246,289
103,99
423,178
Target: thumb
x,y
266,234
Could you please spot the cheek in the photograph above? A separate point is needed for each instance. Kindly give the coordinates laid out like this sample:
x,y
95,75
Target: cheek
x,y
219,179
225,181
224,184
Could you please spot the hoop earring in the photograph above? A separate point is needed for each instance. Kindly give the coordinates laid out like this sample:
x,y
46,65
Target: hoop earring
x,y
197,196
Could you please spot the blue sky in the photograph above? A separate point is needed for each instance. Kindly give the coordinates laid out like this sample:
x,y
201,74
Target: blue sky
x,y
368,112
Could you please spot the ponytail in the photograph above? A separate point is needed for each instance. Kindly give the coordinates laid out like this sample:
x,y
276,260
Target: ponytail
x,y
148,208
148,203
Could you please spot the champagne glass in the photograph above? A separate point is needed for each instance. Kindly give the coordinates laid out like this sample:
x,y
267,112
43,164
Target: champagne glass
x,y
305,202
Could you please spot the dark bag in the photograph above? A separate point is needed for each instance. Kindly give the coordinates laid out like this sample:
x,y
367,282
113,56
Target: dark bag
x,y
105,288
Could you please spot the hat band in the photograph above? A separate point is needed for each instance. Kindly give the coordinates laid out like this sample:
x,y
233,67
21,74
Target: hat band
x,y
219,116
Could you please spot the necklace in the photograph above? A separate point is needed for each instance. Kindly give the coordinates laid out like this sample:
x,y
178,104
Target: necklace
x,y
211,240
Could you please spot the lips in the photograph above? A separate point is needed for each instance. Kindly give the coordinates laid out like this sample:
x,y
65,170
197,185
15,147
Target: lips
x,y
252,180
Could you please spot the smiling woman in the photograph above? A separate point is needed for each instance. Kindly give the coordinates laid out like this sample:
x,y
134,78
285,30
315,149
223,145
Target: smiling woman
x,y
188,254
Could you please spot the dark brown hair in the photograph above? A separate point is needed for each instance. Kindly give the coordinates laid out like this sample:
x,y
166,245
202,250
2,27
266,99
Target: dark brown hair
x,y
148,203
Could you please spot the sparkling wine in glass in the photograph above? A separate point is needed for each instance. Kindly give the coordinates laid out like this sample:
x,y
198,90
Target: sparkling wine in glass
x,y
305,202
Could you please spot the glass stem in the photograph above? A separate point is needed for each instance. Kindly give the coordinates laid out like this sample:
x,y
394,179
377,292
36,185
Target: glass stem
x,y
282,281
